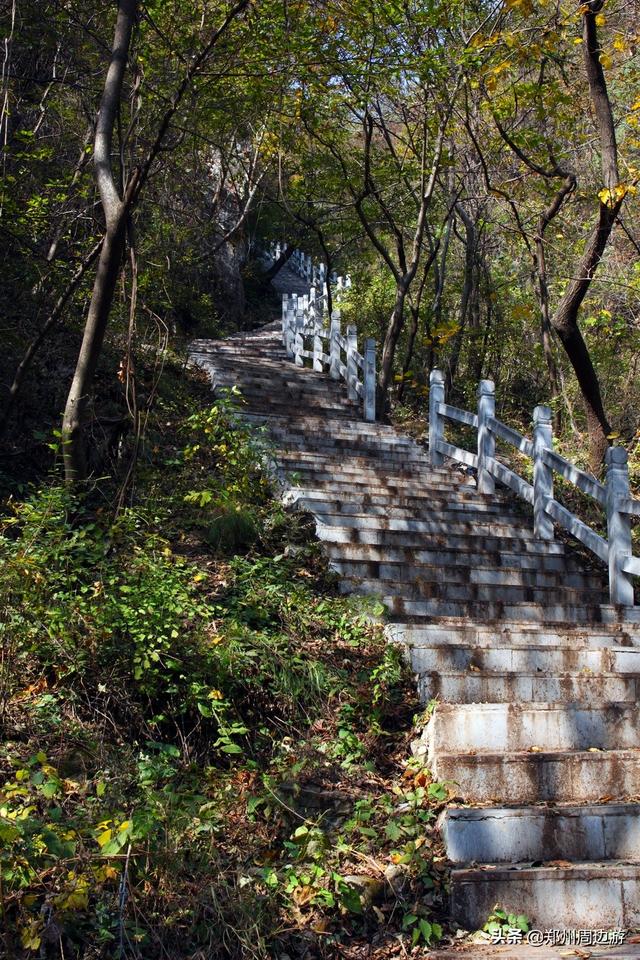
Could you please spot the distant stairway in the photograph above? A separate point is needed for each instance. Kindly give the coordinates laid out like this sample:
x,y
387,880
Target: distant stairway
x,y
536,674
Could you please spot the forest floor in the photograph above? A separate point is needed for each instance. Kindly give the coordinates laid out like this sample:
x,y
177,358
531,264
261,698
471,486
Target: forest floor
x,y
205,748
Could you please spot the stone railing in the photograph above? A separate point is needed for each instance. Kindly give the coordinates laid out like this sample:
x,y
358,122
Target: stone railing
x,y
309,334
613,495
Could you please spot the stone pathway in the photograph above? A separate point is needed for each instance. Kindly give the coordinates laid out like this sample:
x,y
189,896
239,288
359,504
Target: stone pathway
x,y
536,676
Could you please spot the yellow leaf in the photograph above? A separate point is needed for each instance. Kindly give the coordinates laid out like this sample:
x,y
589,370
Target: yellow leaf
x,y
30,936
578,40
606,61
75,900
612,436
104,838
601,20
124,826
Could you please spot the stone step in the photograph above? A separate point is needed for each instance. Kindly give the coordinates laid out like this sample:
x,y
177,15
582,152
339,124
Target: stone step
x,y
362,472
468,575
317,442
589,896
449,513
487,687
545,660
471,543
284,394
326,426
558,612
520,834
271,386
454,560
276,404
574,635
518,727
354,453
445,590
572,776
446,527
364,502
332,485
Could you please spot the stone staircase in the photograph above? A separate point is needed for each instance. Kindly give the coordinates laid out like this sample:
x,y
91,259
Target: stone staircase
x,y
536,676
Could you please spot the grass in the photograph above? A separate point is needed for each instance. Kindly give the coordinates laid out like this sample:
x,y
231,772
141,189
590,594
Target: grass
x,y
205,749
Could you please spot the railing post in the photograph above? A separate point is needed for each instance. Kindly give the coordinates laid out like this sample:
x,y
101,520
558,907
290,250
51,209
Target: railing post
x,y
436,424
352,368
298,341
618,526
542,474
285,317
290,325
317,329
486,440
370,380
334,346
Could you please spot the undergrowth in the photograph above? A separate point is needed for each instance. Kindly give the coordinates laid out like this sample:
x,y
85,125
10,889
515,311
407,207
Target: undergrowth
x,y
204,745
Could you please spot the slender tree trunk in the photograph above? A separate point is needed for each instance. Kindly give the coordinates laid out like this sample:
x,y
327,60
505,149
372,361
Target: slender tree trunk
x,y
115,211
392,336
277,265
467,294
117,208
413,332
565,318
74,448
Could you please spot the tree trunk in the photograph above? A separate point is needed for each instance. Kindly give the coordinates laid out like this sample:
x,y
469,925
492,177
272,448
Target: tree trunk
x,y
277,265
115,212
391,341
74,448
470,242
565,323
565,318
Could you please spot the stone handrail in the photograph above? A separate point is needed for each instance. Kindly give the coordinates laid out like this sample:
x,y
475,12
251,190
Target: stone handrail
x,y
309,334
614,495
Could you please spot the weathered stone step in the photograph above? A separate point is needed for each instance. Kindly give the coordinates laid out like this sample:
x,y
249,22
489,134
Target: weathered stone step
x,y
361,452
445,590
307,421
363,502
590,896
520,777
333,485
453,560
445,527
335,409
549,612
515,633
364,454
469,574
520,834
349,468
286,392
454,513
473,543
546,660
543,727
318,440
464,687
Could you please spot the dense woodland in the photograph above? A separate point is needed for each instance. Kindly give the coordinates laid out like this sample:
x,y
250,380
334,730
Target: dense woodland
x,y
203,746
